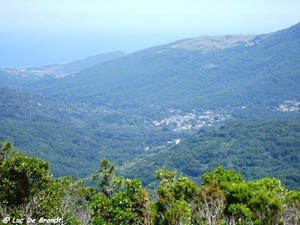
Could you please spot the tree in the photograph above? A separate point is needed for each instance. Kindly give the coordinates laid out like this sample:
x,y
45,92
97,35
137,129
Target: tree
x,y
266,201
21,176
174,193
119,203
291,208
107,181
208,205
69,195
27,190
261,202
5,149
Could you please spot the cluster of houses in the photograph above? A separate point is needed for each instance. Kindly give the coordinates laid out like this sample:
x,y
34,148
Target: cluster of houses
x,y
289,106
192,120
55,70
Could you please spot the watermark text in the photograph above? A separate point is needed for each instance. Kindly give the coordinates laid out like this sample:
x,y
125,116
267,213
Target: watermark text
x,y
29,220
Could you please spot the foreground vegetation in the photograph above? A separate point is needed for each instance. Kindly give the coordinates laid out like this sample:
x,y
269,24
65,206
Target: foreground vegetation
x,y
29,192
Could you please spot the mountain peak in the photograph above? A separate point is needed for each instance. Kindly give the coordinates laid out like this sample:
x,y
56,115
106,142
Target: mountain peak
x,y
207,43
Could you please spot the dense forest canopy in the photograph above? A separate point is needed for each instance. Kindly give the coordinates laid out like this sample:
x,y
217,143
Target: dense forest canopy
x,y
255,148
28,192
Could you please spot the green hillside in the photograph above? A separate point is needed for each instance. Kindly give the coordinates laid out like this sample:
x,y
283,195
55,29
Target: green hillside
x,y
259,74
255,148
71,136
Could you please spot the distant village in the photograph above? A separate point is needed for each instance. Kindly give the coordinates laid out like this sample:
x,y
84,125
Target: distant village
x,y
192,120
288,106
179,121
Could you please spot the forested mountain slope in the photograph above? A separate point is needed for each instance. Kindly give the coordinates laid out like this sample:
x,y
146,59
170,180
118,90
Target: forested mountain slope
x,y
257,73
47,129
255,148
72,136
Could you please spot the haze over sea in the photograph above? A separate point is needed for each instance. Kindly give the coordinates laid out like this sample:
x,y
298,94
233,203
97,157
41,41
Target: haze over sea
x,y
34,33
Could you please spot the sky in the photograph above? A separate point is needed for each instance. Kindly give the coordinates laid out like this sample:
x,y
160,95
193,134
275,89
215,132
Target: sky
x,y
39,32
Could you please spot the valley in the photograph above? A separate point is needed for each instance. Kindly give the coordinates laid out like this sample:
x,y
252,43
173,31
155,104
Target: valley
x,y
179,105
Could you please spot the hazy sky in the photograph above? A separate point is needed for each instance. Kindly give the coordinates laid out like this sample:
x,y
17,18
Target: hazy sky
x,y
36,32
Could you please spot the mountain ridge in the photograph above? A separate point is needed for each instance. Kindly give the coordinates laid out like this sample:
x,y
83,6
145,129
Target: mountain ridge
x,y
141,72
